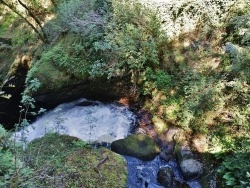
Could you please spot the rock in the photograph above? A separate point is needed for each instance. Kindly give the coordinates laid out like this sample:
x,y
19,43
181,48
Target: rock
x,y
183,152
200,143
137,145
9,108
146,182
165,177
191,169
166,155
58,86
65,161
153,185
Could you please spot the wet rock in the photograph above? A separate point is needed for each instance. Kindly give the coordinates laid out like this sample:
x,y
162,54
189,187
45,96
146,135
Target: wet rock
x,y
166,155
137,145
144,118
152,185
165,177
146,182
191,169
183,153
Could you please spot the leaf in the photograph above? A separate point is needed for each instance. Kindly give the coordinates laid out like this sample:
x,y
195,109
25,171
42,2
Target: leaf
x,y
6,96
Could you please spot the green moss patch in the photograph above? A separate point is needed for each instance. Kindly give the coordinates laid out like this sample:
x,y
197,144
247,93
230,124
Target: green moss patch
x,y
65,161
50,76
137,145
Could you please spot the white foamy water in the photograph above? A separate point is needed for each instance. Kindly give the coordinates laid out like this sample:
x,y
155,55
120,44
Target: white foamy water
x,y
92,123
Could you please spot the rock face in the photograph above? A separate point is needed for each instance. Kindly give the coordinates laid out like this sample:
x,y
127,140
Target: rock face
x,y
137,145
65,161
102,90
9,108
58,86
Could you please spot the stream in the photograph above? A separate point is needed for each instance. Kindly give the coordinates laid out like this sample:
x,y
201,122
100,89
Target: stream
x,y
96,122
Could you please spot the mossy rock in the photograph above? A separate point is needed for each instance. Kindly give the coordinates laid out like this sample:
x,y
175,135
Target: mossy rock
x,y
137,145
65,161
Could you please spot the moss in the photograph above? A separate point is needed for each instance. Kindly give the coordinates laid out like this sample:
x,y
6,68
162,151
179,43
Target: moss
x,y
98,167
65,161
5,23
50,76
136,145
159,124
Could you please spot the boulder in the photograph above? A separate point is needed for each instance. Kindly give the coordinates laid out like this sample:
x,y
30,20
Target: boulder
x,y
65,161
191,169
137,145
165,177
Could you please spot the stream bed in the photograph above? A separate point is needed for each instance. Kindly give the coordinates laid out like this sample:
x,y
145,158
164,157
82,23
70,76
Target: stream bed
x,y
96,122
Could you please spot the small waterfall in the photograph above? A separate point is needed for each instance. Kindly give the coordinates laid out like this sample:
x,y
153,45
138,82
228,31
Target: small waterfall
x,y
91,121
95,122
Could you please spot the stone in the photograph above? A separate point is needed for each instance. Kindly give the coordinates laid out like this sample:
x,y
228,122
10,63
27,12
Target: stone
x,y
200,143
183,152
136,145
166,155
65,161
165,177
191,169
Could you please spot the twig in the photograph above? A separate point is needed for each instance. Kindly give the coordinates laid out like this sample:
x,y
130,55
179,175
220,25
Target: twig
x,y
102,161
96,168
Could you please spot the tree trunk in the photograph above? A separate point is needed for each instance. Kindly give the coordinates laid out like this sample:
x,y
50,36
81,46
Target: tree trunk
x,y
42,35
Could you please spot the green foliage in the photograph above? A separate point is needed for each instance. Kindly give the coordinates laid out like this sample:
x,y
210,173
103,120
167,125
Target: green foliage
x,y
23,36
131,45
160,80
12,170
64,161
6,23
235,170
86,18
238,28
121,38
69,54
6,158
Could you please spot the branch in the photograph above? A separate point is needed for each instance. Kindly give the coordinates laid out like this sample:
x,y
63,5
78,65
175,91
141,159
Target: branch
x,y
34,17
11,7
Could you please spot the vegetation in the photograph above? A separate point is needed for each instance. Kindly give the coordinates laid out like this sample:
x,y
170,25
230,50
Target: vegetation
x,y
196,80
60,161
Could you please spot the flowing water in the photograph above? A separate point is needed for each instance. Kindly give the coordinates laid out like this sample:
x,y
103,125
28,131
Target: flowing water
x,y
90,121
95,122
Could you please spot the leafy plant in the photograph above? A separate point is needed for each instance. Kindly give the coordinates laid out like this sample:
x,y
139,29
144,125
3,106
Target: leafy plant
x,y
235,173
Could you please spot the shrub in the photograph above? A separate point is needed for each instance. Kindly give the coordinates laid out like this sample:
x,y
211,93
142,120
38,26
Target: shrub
x,y
235,170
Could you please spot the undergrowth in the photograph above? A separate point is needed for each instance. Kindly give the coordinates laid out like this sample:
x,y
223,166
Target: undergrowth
x,y
198,81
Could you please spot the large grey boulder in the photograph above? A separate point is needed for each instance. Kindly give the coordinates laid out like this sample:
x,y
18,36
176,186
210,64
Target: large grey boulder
x,y
191,169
